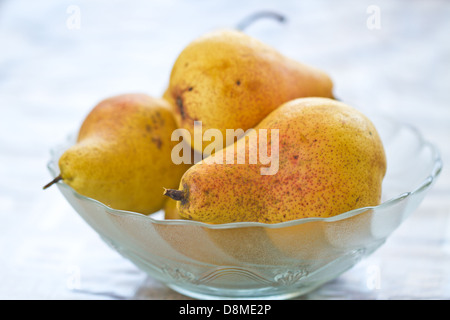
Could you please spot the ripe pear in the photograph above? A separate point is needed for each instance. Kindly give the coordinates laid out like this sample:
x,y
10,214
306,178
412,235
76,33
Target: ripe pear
x,y
229,80
330,160
171,210
122,156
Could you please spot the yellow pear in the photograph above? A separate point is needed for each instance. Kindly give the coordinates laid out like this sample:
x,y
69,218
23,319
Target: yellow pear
x,y
226,79
171,210
122,156
325,158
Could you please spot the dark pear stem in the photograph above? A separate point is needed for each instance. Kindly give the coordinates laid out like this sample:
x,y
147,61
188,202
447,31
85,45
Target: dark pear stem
x,y
58,178
258,15
176,195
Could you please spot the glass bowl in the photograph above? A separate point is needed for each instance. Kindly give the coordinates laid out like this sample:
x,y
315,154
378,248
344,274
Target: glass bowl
x,y
250,260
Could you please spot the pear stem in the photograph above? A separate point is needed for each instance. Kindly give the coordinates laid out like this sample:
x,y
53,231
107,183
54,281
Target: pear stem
x,y
58,178
258,15
176,195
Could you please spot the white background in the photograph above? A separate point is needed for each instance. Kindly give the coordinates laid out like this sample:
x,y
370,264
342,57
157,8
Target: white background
x,y
55,67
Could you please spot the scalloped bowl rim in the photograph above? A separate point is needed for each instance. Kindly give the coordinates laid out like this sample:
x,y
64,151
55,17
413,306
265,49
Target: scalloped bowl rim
x,y
426,183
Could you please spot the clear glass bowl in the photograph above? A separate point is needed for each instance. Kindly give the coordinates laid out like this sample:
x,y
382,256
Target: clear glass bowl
x,y
273,261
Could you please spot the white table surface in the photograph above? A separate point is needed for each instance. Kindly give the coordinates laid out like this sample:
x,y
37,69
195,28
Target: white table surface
x,y
55,67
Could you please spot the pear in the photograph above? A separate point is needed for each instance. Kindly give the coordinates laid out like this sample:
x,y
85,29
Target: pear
x,y
122,156
329,160
171,210
226,79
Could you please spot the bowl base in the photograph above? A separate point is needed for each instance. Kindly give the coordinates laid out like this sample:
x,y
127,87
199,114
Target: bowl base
x,y
250,294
